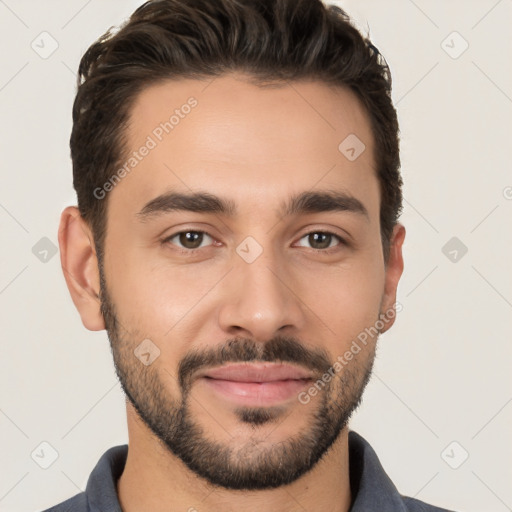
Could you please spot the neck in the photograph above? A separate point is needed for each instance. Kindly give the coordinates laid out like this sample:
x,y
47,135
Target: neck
x,y
172,485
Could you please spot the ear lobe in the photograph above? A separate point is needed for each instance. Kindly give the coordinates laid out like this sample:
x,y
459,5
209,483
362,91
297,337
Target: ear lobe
x,y
80,267
394,269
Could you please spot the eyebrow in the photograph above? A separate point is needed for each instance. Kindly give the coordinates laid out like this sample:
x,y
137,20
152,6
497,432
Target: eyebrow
x,y
204,202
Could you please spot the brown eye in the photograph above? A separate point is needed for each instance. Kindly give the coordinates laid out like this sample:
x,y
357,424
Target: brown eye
x,y
188,239
321,240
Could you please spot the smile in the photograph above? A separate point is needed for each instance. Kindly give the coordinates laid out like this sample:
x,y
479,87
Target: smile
x,y
258,384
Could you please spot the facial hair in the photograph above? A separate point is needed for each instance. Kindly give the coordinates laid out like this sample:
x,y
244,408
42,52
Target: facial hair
x,y
251,466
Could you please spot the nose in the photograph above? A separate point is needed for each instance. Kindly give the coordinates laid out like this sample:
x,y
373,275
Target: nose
x,y
259,300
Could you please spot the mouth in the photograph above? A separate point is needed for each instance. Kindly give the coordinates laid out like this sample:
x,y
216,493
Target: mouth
x,y
256,384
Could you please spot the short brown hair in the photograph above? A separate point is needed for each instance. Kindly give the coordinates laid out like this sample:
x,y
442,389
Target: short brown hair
x,y
270,40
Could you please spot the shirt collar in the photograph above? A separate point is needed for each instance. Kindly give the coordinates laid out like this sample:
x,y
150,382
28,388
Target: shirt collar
x,y
101,490
371,487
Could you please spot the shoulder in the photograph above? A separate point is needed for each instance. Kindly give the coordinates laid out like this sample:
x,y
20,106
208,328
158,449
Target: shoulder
x,y
77,503
371,486
414,505
100,493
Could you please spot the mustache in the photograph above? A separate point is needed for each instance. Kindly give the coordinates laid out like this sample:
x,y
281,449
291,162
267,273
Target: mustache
x,y
244,350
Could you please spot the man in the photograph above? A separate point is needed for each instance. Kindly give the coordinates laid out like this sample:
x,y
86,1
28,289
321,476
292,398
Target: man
x,y
237,170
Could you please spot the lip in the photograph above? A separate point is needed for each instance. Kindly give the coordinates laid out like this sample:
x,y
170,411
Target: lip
x,y
256,384
257,372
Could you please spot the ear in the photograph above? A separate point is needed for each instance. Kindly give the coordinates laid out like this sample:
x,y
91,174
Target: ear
x,y
394,269
80,266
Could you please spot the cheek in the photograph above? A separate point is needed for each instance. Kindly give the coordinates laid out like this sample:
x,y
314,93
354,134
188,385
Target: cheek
x,y
346,300
154,295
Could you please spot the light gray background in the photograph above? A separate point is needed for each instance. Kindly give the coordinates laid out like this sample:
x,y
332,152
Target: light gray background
x,y
442,373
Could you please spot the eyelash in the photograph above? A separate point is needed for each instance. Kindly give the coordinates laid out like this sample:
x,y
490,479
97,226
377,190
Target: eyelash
x,y
329,250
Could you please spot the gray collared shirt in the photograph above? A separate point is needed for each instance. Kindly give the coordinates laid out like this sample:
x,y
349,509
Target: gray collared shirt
x,y
372,489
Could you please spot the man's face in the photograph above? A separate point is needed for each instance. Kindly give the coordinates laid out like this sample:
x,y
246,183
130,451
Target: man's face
x,y
245,309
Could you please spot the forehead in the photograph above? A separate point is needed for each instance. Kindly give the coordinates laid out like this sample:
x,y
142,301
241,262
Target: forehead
x,y
228,135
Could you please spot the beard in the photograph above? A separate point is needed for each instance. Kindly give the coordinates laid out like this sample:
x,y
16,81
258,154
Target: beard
x,y
254,464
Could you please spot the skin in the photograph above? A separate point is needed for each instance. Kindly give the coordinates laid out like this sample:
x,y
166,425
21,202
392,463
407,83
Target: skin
x,y
255,147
